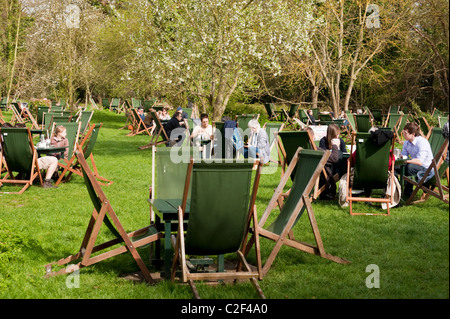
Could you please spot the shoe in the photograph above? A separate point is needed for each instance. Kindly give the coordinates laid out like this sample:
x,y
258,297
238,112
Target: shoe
x,y
48,183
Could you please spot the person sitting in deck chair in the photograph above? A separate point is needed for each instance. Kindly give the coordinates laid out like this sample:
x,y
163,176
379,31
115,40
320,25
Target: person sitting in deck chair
x,y
258,145
419,153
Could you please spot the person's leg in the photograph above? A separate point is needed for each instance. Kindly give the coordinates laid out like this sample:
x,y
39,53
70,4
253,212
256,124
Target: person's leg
x,y
50,164
411,171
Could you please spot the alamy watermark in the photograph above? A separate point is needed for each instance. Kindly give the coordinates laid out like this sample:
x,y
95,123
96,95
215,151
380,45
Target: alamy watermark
x,y
72,14
373,280
73,279
373,20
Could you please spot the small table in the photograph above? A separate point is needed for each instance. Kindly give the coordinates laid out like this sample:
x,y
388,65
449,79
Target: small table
x,y
51,150
166,212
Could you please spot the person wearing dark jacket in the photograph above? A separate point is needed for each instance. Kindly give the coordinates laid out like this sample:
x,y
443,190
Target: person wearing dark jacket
x,y
331,142
175,124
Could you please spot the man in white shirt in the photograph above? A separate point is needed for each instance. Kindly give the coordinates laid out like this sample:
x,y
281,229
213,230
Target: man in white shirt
x,y
419,153
203,132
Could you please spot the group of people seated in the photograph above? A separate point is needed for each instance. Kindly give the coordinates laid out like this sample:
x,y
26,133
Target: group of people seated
x,y
49,163
416,151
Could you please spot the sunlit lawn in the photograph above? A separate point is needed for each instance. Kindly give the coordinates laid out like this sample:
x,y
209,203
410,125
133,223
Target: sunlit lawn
x,y
410,248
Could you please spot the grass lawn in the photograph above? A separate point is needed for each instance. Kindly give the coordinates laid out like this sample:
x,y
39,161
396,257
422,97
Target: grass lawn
x,y
410,248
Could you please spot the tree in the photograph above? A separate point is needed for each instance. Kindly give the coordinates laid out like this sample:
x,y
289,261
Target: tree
x,y
352,34
209,49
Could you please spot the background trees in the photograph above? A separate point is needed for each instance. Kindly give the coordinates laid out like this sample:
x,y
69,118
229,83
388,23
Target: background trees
x,y
339,53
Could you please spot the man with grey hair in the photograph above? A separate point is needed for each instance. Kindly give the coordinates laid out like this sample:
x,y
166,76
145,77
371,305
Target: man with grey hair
x,y
258,143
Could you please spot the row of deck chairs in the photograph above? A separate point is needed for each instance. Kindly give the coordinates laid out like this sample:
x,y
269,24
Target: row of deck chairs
x,y
19,163
231,211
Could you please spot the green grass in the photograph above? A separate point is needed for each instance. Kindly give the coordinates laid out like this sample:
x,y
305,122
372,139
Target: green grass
x,y
411,247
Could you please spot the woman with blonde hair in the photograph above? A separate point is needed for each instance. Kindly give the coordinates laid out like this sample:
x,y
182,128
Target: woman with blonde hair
x,y
59,139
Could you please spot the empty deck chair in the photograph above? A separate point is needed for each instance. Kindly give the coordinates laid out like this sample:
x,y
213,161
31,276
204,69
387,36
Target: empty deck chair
x,y
363,122
272,113
307,165
19,158
272,130
229,211
103,213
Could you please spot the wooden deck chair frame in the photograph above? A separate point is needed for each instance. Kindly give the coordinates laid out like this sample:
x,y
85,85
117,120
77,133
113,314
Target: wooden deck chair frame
x,y
286,237
19,115
436,163
284,163
390,179
34,123
160,132
85,118
104,213
180,250
140,127
73,165
15,165
272,113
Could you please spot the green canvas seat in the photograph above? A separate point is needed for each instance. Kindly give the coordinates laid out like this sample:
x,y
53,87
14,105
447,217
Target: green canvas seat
x,y
272,113
307,164
243,119
103,213
72,135
363,122
291,115
85,118
424,126
47,118
105,103
430,182
115,105
19,158
160,133
229,210
371,170
87,144
377,115
288,144
351,122
272,130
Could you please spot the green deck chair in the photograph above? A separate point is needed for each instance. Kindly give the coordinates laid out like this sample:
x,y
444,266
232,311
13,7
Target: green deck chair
x,y
436,170
47,119
243,119
307,165
272,130
363,123
325,117
87,145
105,103
377,116
351,121
371,170
393,121
148,104
228,212
288,144
39,114
18,156
84,117
169,168
115,105
160,133
291,115
272,113
394,109
73,133
3,104
424,126
135,103
104,213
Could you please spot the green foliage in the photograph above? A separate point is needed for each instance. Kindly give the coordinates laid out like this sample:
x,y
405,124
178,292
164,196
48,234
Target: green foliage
x,y
417,109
